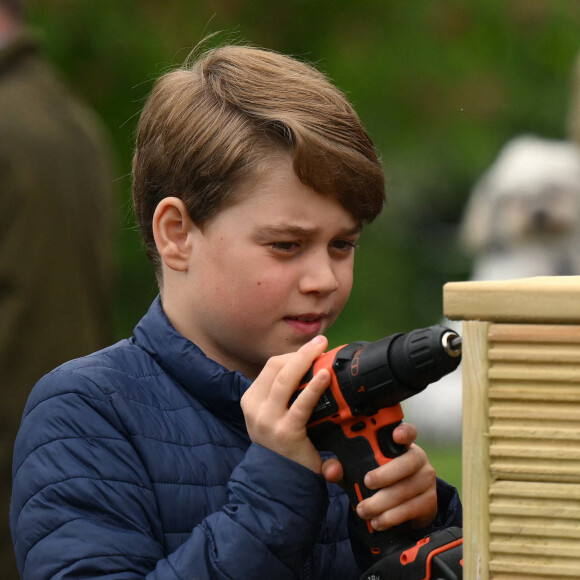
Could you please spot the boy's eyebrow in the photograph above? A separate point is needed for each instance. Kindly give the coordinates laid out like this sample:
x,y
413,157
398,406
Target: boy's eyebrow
x,y
296,230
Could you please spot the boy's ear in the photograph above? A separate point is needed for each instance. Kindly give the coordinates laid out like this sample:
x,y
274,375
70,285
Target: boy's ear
x,y
172,227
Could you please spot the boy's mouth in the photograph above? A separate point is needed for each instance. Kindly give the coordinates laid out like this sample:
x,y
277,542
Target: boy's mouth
x,y
307,323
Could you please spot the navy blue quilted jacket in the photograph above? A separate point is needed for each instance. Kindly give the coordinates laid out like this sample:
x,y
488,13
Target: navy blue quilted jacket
x,y
135,462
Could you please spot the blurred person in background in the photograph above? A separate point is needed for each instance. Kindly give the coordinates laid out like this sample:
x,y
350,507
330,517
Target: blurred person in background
x,y
55,283
574,105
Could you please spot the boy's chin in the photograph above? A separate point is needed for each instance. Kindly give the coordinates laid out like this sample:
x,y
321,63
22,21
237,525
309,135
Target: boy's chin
x,y
294,345
285,348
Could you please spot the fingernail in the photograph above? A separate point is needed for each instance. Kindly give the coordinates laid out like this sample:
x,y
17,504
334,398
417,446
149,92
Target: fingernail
x,y
360,511
318,339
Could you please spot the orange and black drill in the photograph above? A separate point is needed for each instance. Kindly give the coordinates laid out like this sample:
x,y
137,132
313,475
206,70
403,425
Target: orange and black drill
x,y
357,414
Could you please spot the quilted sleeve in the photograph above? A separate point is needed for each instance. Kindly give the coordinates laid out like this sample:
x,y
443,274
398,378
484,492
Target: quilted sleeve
x,y
259,534
83,505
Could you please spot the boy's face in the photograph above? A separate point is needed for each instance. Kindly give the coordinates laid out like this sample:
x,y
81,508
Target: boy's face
x,y
268,273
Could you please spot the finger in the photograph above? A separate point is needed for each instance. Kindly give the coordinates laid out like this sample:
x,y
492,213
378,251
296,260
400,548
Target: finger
x,y
405,434
332,470
419,510
397,469
294,369
260,388
423,482
302,408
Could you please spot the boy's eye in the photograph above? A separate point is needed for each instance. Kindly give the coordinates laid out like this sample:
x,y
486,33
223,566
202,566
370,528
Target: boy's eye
x,y
284,246
294,246
344,244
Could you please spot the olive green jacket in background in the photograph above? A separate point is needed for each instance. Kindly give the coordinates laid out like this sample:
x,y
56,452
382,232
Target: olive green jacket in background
x,y
56,239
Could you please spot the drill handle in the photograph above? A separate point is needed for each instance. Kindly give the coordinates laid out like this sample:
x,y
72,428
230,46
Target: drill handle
x,y
362,444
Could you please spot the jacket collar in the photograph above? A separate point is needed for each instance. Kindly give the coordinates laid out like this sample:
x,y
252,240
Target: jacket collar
x,y
217,388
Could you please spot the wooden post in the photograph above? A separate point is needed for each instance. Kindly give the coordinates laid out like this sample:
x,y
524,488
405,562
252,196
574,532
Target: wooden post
x,y
521,426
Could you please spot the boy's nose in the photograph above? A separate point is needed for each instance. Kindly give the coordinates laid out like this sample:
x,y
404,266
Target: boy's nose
x,y
319,276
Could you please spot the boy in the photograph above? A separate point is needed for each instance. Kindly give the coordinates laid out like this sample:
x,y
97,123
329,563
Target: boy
x,y
175,454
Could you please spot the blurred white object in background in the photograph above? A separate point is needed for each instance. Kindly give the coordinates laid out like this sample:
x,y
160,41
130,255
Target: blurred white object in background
x,y
522,219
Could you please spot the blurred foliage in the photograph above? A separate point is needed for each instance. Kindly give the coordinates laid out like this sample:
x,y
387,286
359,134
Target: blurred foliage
x,y
440,86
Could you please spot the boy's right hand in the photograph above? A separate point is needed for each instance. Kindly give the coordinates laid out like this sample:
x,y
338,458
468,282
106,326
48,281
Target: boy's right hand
x,y
269,419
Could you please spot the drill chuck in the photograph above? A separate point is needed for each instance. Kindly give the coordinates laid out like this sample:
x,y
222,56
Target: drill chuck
x,y
384,373
423,356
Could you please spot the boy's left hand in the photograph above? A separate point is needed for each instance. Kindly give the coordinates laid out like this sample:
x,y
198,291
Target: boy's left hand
x,y
406,486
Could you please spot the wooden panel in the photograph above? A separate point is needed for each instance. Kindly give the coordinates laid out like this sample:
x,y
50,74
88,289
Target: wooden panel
x,y
553,299
534,451
521,426
534,528
534,402
475,451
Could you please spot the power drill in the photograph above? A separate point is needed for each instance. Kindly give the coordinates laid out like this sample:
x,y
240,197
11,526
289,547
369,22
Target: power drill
x,y
356,416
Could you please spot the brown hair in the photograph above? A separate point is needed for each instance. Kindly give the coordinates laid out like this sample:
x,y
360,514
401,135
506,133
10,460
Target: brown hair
x,y
209,125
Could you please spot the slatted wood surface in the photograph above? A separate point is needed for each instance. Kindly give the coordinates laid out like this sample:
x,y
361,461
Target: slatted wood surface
x,y
534,402
534,451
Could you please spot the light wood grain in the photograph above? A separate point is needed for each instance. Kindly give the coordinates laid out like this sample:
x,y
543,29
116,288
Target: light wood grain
x,y
475,451
543,299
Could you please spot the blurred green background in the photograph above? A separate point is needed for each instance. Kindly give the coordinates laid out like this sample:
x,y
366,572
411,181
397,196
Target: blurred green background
x,y
441,86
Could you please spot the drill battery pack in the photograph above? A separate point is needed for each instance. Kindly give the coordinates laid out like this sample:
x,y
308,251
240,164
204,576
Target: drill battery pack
x,y
438,556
